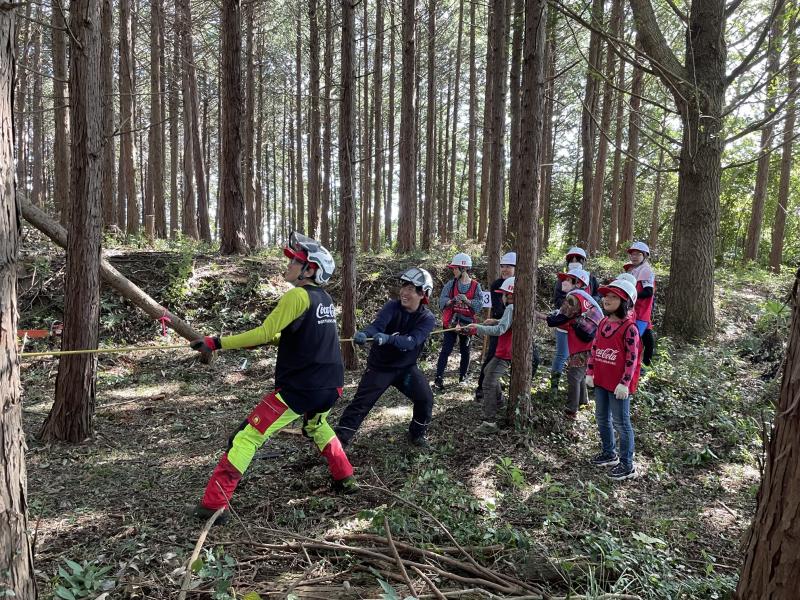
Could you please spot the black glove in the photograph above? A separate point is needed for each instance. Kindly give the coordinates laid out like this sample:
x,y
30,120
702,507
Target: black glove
x,y
206,344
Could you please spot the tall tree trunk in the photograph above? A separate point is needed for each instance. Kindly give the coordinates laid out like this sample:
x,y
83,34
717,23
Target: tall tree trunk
x,y
127,176
61,149
628,199
444,177
314,157
377,108
486,156
532,112
174,78
782,206
753,239
430,132
37,146
248,125
299,207
16,560
154,198
260,155
616,180
21,87
472,151
407,218
347,223
588,117
515,202
451,196
652,239
366,146
70,418
325,227
387,213
107,75
549,137
497,112
188,203
232,222
772,559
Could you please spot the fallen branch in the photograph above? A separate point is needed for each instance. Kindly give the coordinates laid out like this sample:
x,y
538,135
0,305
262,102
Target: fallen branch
x,y
196,552
397,556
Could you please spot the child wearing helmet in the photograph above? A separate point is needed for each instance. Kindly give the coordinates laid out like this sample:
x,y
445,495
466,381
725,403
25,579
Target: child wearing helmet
x,y
398,335
459,301
575,259
613,371
309,375
508,265
501,361
578,317
641,269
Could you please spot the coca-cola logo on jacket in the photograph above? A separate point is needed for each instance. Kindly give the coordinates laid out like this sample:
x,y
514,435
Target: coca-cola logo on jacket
x,y
606,354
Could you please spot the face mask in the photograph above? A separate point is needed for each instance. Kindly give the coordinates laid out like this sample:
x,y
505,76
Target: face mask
x,y
574,265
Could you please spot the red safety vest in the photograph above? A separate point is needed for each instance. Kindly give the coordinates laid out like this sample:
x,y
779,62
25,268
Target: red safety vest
x,y
466,311
644,306
574,343
504,346
608,355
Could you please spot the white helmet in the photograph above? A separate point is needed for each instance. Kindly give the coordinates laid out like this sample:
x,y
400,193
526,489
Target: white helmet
x,y
622,288
641,247
507,286
419,278
627,277
308,250
576,251
579,274
462,261
509,258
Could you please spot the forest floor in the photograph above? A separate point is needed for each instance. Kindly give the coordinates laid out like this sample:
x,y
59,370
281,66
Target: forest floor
x,y
111,515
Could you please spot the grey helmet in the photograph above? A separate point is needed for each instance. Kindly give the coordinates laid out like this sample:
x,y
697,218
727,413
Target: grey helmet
x,y
308,250
420,278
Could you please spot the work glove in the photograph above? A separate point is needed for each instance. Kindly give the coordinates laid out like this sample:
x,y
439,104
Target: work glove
x,y
206,344
621,392
360,338
589,381
381,338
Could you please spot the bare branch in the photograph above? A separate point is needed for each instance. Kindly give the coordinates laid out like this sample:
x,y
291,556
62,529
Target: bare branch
x,y
764,152
756,125
678,12
732,7
754,51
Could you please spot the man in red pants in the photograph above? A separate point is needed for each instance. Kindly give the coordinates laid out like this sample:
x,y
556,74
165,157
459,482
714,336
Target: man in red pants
x,y
309,375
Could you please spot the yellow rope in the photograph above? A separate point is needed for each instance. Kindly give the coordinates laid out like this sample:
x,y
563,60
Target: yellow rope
x,y
146,348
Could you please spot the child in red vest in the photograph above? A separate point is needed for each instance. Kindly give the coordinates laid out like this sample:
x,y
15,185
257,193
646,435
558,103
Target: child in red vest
x,y
578,317
640,268
498,366
613,371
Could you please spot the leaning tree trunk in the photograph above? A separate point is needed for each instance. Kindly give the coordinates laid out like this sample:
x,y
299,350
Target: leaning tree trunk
x,y
232,223
531,122
70,419
16,558
347,223
772,560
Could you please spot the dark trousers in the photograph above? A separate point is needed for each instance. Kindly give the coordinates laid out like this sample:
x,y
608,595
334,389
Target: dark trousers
x,y
448,343
649,344
409,381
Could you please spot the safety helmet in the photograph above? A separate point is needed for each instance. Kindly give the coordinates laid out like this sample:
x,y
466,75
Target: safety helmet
x,y
462,261
576,251
507,287
578,274
420,278
627,266
627,277
509,258
620,287
641,247
303,248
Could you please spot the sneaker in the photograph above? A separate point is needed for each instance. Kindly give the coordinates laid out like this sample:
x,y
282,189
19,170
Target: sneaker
x,y
421,442
438,384
347,486
202,513
605,459
487,427
622,472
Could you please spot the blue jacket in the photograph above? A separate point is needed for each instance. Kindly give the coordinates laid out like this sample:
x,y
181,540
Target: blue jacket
x,y
408,333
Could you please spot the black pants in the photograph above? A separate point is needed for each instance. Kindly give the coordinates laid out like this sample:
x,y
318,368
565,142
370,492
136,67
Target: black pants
x,y
448,343
649,344
409,381
535,359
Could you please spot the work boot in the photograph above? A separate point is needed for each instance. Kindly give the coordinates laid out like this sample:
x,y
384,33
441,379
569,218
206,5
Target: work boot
x,y
420,441
554,379
348,486
202,513
438,383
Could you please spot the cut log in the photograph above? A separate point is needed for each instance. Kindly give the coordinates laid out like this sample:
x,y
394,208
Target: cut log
x,y
121,284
